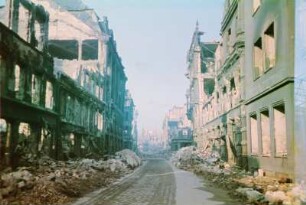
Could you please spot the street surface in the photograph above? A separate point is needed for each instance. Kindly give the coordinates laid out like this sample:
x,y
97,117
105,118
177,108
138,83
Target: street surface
x,y
157,182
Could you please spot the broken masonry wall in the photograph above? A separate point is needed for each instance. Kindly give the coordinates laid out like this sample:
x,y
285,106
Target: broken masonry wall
x,y
222,110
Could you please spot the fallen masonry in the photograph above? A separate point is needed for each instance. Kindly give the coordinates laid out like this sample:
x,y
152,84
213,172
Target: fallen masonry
x,y
250,188
59,182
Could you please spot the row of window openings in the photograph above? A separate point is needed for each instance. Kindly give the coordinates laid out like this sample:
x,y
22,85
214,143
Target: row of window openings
x,y
86,81
74,106
264,52
24,131
224,89
17,83
264,131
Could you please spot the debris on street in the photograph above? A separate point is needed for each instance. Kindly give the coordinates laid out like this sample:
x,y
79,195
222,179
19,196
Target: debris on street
x,y
58,182
251,188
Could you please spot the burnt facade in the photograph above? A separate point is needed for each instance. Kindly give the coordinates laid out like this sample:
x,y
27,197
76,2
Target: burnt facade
x,y
61,95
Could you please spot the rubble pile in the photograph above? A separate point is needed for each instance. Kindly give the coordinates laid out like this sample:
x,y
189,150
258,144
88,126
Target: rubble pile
x,y
129,157
251,188
199,160
58,182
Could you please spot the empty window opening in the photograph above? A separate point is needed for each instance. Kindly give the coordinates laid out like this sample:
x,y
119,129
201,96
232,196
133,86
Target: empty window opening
x,y
24,129
69,109
43,141
254,134
90,49
49,95
17,78
35,90
72,139
258,58
38,35
232,84
101,93
280,130
4,137
23,22
63,49
269,47
265,133
224,90
99,118
97,90
3,125
209,85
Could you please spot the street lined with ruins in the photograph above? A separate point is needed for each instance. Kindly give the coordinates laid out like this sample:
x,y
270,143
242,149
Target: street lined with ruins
x,y
156,102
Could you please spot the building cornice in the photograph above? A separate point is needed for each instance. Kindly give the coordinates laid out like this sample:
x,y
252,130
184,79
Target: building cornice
x,y
276,86
230,60
229,14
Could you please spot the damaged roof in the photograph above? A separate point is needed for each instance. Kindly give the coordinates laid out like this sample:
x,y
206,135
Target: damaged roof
x,y
208,49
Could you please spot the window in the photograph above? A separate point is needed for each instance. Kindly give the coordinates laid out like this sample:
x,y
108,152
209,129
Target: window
x,y
49,95
38,35
233,86
256,5
99,121
23,23
254,134
265,133
280,130
217,96
101,93
90,49
269,44
224,90
17,78
97,92
258,61
35,94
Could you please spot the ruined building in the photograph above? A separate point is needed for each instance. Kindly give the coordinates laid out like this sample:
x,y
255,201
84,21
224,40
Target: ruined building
x,y
244,105
62,81
177,128
200,73
269,71
129,136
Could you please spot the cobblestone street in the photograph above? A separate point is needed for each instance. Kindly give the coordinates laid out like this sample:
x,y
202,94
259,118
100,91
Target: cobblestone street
x,y
158,183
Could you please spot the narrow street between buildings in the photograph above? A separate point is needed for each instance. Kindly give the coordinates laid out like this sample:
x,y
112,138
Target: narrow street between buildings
x,y
157,182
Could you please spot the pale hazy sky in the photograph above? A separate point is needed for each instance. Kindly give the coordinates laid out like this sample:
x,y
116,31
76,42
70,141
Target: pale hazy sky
x,y
153,37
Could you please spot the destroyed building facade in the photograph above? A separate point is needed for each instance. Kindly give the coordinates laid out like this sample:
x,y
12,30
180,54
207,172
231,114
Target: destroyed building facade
x,y
130,124
243,106
63,83
177,128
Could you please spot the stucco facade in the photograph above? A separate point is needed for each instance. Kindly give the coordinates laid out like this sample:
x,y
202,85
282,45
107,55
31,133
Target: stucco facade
x,y
269,73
